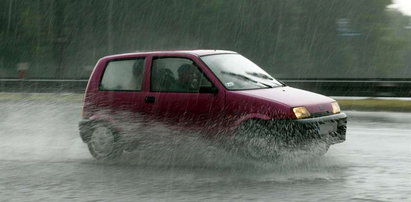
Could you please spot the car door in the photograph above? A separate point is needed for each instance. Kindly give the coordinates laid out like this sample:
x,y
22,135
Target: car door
x,y
177,93
121,94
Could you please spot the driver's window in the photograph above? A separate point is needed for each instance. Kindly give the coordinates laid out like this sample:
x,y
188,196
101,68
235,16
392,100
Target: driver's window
x,y
177,75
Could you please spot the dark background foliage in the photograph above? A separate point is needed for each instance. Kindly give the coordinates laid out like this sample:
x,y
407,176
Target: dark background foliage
x,y
288,38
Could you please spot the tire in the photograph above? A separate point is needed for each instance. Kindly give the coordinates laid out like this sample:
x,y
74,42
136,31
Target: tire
x,y
103,143
254,140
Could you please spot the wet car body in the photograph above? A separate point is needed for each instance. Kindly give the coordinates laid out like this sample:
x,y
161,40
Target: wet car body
x,y
223,99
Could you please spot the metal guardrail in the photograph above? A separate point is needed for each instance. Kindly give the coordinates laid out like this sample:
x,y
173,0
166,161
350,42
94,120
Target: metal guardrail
x,y
330,87
42,85
355,87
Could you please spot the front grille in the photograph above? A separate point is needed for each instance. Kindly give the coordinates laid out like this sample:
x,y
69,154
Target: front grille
x,y
320,114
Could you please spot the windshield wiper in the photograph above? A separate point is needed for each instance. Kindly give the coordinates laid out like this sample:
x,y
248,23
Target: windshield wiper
x,y
282,83
246,78
260,75
265,76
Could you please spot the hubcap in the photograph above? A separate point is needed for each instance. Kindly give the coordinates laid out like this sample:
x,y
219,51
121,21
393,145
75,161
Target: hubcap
x,y
102,141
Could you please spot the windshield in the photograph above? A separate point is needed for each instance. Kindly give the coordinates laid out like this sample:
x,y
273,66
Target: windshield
x,y
238,73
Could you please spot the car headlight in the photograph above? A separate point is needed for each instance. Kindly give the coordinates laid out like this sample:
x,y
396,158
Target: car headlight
x,y
336,108
301,112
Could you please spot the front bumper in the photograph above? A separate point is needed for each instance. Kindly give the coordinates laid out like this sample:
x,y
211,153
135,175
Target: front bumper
x,y
329,129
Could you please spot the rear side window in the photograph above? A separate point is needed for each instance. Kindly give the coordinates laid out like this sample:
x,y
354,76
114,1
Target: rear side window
x,y
123,75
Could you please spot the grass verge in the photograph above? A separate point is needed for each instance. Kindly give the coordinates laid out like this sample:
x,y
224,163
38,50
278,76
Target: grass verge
x,y
375,105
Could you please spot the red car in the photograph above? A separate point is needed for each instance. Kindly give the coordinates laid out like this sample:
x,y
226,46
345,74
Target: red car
x,y
218,93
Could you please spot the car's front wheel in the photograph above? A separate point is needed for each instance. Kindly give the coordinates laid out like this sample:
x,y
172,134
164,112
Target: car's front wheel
x,y
103,142
254,140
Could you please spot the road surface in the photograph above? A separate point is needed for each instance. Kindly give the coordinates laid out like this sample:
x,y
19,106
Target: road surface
x,y
43,159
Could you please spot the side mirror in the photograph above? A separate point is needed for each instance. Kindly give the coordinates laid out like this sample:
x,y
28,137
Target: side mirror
x,y
208,89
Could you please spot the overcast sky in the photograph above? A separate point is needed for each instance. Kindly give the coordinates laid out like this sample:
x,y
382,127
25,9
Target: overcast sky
x,y
403,5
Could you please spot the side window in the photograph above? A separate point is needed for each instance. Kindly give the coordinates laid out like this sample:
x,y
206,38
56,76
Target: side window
x,y
123,75
177,75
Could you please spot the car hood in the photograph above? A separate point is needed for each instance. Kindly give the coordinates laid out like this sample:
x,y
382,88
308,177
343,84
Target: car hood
x,y
292,97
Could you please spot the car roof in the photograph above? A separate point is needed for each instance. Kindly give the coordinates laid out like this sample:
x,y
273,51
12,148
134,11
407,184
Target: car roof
x,y
196,52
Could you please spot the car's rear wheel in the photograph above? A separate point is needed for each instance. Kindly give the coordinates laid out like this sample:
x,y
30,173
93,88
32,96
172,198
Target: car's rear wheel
x,y
254,140
103,143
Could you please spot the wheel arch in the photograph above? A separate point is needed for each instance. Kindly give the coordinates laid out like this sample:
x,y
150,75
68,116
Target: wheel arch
x,y
249,117
86,125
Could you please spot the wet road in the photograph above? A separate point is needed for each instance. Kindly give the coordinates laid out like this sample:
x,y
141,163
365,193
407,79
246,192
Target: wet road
x,y
43,159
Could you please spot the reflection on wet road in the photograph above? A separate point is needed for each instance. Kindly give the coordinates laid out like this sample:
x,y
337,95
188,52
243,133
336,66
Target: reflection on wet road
x,y
43,159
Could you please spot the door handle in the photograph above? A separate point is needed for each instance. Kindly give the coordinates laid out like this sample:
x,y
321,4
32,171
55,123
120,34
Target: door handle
x,y
149,99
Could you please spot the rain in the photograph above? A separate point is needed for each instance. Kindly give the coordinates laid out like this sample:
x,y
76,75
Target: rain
x,y
354,51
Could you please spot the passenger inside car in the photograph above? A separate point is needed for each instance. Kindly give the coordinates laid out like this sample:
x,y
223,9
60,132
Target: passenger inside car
x,y
162,80
137,75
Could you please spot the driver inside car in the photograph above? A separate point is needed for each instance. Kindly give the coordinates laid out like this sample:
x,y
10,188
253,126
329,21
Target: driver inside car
x,y
188,78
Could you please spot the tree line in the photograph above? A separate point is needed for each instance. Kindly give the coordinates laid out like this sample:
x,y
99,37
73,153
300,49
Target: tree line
x,y
288,38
